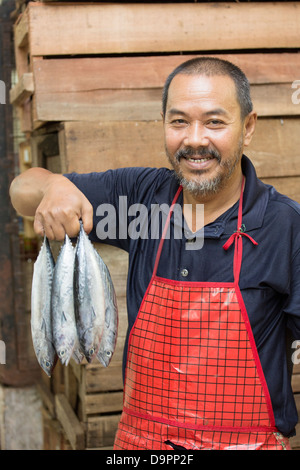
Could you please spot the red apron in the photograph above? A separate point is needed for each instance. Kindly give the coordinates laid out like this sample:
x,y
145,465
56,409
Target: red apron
x,y
193,375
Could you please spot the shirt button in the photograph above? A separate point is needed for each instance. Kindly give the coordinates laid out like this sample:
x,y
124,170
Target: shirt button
x,y
184,272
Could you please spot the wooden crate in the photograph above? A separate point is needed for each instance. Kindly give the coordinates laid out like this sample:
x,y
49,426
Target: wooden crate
x,y
92,101
138,28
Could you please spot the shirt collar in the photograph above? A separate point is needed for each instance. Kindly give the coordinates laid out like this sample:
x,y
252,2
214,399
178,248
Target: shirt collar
x,y
255,200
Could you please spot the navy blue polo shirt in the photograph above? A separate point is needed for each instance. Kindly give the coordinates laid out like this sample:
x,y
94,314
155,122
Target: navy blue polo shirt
x,y
270,272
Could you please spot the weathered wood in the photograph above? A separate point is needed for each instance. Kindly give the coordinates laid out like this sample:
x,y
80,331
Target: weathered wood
x,y
23,90
125,28
99,146
69,422
101,430
275,147
103,403
96,378
142,104
65,75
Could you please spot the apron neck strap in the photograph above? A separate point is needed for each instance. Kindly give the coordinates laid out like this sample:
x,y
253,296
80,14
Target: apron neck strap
x,y
165,230
237,239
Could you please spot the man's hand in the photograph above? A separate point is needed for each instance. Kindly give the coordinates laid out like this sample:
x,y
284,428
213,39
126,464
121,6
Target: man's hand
x,y
54,201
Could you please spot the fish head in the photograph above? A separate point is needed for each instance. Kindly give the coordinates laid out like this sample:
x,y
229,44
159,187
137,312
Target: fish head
x,y
47,363
64,353
90,343
105,357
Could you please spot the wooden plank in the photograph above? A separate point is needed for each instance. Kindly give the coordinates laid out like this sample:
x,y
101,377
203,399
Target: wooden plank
x,y
23,90
103,403
21,29
275,147
96,378
99,146
65,75
143,104
69,421
125,28
101,430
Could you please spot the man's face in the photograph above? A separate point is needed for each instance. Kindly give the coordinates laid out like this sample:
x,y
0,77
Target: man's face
x,y
204,133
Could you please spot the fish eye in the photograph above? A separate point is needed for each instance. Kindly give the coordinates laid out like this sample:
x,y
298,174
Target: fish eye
x,y
91,351
108,353
47,363
61,353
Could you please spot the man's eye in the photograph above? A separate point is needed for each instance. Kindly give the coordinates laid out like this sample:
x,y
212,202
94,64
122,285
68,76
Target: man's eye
x,y
178,121
216,122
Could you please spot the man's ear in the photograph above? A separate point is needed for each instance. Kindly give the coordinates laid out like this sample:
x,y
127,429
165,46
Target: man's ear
x,y
249,127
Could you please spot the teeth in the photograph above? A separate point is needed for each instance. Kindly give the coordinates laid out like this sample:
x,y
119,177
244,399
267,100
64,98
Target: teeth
x,y
198,160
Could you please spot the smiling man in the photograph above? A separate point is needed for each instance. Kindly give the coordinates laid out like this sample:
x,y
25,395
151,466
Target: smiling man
x,y
207,355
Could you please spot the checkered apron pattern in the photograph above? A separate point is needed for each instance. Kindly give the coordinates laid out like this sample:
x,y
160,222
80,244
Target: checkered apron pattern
x,y
193,376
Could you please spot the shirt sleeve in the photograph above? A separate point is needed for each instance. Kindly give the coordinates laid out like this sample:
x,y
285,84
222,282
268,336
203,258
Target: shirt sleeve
x,y
110,193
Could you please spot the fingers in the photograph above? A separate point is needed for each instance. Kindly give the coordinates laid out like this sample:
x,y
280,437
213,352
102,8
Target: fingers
x,y
55,223
60,209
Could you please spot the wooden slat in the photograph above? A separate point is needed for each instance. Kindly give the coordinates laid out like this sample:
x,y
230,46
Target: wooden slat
x,y
275,147
23,90
98,146
21,30
101,430
103,403
67,75
70,423
96,378
143,104
123,28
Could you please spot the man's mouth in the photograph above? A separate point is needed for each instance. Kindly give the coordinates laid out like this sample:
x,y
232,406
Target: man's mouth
x,y
198,160
200,156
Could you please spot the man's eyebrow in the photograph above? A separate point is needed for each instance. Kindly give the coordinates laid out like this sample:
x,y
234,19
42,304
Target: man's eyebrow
x,y
215,111
173,111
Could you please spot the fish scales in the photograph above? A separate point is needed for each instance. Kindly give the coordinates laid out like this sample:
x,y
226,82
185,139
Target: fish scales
x,y
110,332
62,303
89,296
41,324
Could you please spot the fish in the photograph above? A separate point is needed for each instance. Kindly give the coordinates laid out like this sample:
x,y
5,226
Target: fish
x,y
110,332
89,295
41,321
62,303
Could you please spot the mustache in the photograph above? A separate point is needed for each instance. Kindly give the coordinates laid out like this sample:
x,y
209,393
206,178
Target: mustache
x,y
193,153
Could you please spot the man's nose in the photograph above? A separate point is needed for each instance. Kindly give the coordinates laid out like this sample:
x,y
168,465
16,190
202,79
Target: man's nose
x,y
196,136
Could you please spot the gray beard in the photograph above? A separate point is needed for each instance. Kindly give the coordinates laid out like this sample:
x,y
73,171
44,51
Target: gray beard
x,y
207,187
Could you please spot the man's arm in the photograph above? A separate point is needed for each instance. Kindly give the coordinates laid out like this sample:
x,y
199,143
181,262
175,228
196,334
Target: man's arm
x,y
54,201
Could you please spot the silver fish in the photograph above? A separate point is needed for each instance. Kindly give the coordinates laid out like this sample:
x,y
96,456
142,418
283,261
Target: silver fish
x,y
41,327
62,303
109,337
89,296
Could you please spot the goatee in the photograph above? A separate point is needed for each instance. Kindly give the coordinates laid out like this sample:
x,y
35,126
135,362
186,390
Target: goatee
x,y
200,185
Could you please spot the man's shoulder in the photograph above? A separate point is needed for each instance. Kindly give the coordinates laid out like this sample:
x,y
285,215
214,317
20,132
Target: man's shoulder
x,y
283,203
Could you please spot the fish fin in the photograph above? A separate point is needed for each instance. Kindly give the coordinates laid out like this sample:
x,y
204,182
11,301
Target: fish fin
x,y
63,318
